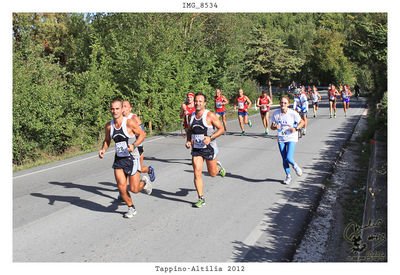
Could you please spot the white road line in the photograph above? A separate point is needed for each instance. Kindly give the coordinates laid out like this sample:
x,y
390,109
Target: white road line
x,y
61,165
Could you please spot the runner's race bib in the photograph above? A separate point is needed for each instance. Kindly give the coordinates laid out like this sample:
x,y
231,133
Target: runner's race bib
x,y
121,148
241,105
332,98
218,104
198,141
264,108
284,133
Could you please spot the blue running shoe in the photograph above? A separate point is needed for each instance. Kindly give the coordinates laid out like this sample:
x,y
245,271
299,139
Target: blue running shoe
x,y
152,174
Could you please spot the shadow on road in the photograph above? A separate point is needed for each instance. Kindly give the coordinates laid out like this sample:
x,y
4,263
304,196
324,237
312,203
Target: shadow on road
x,y
183,192
288,220
77,201
230,175
180,161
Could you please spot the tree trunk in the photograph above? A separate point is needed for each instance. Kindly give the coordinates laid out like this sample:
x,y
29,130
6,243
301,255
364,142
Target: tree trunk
x,y
270,89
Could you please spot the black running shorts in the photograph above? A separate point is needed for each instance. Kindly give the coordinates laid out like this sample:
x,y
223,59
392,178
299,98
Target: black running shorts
x,y
130,165
207,153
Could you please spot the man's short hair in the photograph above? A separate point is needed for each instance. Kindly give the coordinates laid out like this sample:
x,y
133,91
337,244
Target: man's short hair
x,y
200,93
116,100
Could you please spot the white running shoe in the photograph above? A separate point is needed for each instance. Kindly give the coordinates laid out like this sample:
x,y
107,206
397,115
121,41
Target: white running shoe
x,y
288,179
298,170
304,131
131,212
147,185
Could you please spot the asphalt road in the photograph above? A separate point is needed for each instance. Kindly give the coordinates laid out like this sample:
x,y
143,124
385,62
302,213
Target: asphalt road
x,y
67,211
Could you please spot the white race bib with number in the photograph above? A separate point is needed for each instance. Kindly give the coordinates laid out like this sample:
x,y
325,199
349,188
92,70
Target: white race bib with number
x,y
284,133
264,108
241,105
121,148
218,104
198,141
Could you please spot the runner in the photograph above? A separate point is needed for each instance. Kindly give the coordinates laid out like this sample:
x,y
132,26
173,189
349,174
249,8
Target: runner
x,y
201,137
127,112
220,102
301,106
287,122
346,94
243,103
187,109
316,97
332,93
264,102
126,163
357,91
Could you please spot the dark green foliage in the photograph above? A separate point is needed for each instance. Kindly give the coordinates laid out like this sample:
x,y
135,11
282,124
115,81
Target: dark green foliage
x,y
68,67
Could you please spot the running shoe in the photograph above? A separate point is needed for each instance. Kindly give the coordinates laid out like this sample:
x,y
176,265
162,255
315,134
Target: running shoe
x,y
147,185
200,203
288,179
334,115
119,197
250,125
151,173
131,212
345,114
314,115
243,133
298,170
222,171
304,131
330,116
266,132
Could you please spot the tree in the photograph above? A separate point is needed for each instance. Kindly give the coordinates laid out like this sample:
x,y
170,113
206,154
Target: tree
x,y
269,59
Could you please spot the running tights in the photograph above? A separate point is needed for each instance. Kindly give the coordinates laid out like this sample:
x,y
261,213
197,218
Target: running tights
x,y
287,151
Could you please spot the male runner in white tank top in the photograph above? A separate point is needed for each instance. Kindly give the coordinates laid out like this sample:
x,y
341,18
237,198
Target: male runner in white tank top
x,y
201,137
126,163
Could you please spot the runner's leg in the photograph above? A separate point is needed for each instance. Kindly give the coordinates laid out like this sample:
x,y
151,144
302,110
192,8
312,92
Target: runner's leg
x,y
122,182
198,174
212,167
283,150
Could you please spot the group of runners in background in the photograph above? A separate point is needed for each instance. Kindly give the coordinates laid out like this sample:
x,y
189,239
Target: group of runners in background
x,y
202,127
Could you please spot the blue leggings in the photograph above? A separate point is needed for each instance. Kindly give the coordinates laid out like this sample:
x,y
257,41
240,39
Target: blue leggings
x,y
287,151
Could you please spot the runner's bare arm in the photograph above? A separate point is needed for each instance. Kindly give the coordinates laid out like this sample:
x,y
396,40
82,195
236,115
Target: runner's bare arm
x,y
137,119
258,102
249,101
107,140
183,111
137,131
189,138
214,121
269,100
225,100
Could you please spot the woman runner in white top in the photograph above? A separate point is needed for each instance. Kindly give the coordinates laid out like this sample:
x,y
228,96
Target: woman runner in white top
x,y
287,122
316,97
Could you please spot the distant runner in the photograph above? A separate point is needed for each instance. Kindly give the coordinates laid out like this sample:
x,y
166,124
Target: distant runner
x,y
332,93
201,137
264,102
301,106
126,163
357,91
243,103
346,94
287,122
220,102
187,109
315,97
